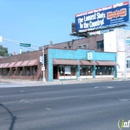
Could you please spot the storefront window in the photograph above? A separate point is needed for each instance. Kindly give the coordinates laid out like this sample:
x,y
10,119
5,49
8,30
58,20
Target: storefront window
x,y
104,70
7,71
83,70
89,70
67,70
13,70
128,63
4,72
73,70
0,71
34,70
61,70
27,71
20,71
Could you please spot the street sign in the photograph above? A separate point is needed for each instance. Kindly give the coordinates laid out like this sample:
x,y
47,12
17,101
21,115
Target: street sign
x,y
89,56
25,44
41,59
43,68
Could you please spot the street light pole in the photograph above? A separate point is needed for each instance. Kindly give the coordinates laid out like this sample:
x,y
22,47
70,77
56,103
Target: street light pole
x,y
125,63
43,68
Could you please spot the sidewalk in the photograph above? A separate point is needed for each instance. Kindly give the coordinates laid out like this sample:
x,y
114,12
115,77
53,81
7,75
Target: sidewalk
x,y
29,82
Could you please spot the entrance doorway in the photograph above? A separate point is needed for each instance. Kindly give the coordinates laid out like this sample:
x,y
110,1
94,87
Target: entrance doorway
x,y
55,72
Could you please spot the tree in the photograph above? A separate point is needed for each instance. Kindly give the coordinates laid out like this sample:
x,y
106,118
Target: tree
x,y
3,51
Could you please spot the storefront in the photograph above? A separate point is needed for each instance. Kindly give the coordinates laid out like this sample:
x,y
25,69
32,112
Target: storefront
x,y
23,66
64,69
74,64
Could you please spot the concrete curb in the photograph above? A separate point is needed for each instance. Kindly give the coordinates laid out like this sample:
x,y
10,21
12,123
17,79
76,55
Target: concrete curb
x,y
24,83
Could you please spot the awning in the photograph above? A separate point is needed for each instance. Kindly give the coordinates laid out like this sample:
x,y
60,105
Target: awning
x,y
106,63
6,65
12,64
65,62
25,63
85,62
1,65
18,64
32,63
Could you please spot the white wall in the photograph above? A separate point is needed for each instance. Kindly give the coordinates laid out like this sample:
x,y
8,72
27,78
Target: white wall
x,y
121,36
115,41
110,42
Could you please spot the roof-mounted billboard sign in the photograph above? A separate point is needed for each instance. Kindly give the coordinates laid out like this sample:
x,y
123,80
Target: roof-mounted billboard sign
x,y
107,16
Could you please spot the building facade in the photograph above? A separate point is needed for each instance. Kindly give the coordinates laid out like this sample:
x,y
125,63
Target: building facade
x,y
74,64
23,66
118,41
59,64
112,42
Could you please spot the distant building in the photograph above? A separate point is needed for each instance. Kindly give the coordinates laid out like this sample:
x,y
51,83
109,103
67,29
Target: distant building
x,y
90,43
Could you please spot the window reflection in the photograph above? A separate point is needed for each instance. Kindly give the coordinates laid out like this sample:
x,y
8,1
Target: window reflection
x,y
85,70
89,70
104,70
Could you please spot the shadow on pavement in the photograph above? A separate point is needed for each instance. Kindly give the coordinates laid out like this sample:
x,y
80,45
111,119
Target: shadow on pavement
x,y
13,118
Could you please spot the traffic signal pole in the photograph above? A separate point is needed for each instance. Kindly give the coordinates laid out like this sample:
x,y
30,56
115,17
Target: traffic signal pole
x,y
43,68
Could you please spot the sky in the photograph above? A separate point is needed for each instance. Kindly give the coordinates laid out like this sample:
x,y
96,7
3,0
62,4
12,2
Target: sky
x,y
39,21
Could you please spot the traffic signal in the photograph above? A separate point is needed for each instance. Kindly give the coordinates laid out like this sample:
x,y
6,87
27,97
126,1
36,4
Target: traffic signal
x,y
45,59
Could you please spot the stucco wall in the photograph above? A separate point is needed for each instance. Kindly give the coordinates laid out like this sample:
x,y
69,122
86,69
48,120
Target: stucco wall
x,y
76,55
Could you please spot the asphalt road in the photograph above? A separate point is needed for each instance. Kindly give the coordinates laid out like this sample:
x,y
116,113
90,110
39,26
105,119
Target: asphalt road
x,y
93,106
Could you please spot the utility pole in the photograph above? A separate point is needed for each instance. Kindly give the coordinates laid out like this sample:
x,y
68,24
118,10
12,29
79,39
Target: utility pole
x,y
43,68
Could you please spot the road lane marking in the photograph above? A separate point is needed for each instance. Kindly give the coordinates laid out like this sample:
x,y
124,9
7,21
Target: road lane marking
x,y
124,100
110,87
26,101
96,87
22,91
49,109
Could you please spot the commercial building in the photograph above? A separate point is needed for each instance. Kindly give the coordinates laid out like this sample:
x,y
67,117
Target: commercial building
x,y
23,66
109,56
60,64
80,63
116,41
94,42
105,55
